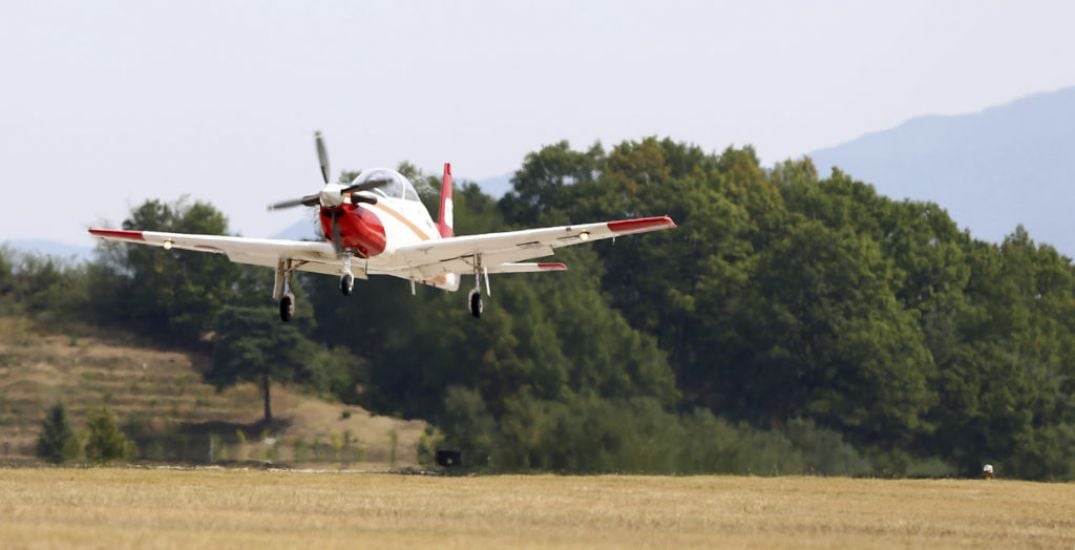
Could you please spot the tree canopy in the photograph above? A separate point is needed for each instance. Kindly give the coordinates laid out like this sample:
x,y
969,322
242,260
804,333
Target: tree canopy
x,y
794,322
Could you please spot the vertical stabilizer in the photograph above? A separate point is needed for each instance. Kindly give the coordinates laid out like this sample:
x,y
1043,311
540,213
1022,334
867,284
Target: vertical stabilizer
x,y
444,218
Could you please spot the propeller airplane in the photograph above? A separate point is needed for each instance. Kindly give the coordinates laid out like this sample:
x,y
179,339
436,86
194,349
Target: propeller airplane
x,y
376,225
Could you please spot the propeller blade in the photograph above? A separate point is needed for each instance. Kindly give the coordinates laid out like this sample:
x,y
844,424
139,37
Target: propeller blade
x,y
308,200
356,198
366,185
322,155
336,232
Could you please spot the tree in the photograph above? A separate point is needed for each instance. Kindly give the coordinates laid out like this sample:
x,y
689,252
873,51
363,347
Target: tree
x,y
252,345
57,442
171,294
106,442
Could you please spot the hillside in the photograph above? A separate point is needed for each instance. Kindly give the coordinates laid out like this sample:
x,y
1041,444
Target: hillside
x,y
991,170
159,397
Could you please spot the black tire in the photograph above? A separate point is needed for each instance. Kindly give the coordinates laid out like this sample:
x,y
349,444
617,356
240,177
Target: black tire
x,y
347,284
476,305
287,308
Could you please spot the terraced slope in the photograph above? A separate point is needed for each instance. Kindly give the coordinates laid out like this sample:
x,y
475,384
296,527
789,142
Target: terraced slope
x,y
159,395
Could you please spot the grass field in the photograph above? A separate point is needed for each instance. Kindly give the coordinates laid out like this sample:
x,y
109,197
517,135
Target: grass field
x,y
188,508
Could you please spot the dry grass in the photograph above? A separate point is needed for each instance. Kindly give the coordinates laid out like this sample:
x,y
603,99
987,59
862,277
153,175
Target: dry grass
x,y
163,388
169,508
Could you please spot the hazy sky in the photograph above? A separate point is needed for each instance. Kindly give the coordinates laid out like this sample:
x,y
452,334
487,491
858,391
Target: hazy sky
x,y
105,104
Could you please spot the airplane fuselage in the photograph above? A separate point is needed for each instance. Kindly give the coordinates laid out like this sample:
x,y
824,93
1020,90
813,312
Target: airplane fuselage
x,y
373,229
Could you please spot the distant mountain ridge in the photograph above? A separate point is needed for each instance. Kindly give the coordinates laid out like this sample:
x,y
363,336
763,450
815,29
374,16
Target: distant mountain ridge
x,y
992,170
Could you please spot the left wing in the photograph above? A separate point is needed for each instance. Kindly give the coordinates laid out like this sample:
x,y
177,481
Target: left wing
x,y
499,251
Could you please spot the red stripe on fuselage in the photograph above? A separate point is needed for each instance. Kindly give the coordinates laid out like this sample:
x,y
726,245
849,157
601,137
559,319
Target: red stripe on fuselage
x,y
641,224
118,234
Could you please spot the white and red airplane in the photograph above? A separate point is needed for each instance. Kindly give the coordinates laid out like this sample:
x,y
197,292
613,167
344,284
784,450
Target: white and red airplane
x,y
376,225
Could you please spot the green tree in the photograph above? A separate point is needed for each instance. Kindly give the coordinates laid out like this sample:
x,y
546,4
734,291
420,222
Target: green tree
x,y
57,442
171,294
105,442
252,345
467,424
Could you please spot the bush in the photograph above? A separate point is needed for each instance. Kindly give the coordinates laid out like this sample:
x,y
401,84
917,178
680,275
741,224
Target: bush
x,y
106,442
57,442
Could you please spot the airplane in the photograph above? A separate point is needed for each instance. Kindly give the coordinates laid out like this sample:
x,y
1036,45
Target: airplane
x,y
377,225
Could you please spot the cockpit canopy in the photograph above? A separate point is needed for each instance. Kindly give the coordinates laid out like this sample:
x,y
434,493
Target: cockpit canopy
x,y
399,187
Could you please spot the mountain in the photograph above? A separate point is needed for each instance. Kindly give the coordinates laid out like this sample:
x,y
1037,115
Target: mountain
x,y
1007,165
302,230
497,186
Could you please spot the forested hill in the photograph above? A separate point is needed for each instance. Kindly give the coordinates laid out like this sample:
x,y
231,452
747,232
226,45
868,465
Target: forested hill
x,y
792,323
1008,165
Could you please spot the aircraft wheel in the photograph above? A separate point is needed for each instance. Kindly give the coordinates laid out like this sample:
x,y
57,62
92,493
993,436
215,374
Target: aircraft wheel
x,y
347,284
476,305
287,307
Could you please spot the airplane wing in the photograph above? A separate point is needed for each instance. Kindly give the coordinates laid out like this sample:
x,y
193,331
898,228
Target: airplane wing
x,y
499,252
316,257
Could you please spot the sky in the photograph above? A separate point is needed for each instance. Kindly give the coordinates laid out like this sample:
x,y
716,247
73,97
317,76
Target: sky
x,y
106,104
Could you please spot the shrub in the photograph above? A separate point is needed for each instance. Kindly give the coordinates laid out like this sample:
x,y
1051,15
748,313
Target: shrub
x,y
57,442
106,442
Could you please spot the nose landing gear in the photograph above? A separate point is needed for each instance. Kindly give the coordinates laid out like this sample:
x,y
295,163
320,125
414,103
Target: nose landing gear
x,y
347,280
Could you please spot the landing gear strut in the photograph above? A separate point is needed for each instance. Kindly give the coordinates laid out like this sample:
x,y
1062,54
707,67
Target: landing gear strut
x,y
282,290
347,280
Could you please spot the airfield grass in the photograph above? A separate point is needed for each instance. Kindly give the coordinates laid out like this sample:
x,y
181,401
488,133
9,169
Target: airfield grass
x,y
160,508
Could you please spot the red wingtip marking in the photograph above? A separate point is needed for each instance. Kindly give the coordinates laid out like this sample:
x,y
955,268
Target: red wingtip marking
x,y
555,266
641,224
118,234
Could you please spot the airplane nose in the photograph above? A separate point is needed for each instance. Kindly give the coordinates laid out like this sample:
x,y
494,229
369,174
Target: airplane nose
x,y
330,198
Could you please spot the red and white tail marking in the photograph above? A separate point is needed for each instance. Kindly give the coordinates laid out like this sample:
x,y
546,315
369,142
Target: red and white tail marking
x,y
444,218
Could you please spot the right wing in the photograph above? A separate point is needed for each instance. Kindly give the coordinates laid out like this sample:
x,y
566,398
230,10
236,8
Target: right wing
x,y
316,257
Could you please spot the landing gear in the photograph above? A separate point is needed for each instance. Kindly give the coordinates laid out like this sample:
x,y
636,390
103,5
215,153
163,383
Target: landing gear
x,y
347,280
282,289
474,301
287,307
476,305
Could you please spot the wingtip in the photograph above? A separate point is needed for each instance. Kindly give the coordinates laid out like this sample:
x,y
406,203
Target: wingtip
x,y
640,225
117,234
552,266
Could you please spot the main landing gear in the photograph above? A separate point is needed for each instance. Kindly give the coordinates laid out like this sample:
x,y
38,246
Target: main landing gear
x,y
474,300
287,307
282,289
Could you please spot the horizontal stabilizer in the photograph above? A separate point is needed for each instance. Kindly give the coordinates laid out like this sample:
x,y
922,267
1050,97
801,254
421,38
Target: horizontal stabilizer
x,y
530,267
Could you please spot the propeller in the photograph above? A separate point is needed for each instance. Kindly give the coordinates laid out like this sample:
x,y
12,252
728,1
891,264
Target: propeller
x,y
332,195
322,155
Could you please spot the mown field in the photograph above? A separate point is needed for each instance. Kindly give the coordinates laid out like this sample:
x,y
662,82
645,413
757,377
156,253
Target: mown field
x,y
195,508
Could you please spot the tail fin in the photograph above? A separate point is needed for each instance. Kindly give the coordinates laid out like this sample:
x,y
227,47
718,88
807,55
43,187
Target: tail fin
x,y
444,218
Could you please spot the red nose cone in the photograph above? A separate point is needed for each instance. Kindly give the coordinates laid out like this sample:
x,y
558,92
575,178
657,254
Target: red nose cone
x,y
360,229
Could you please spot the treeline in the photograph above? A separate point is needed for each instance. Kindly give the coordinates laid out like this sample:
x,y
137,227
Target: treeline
x,y
792,323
